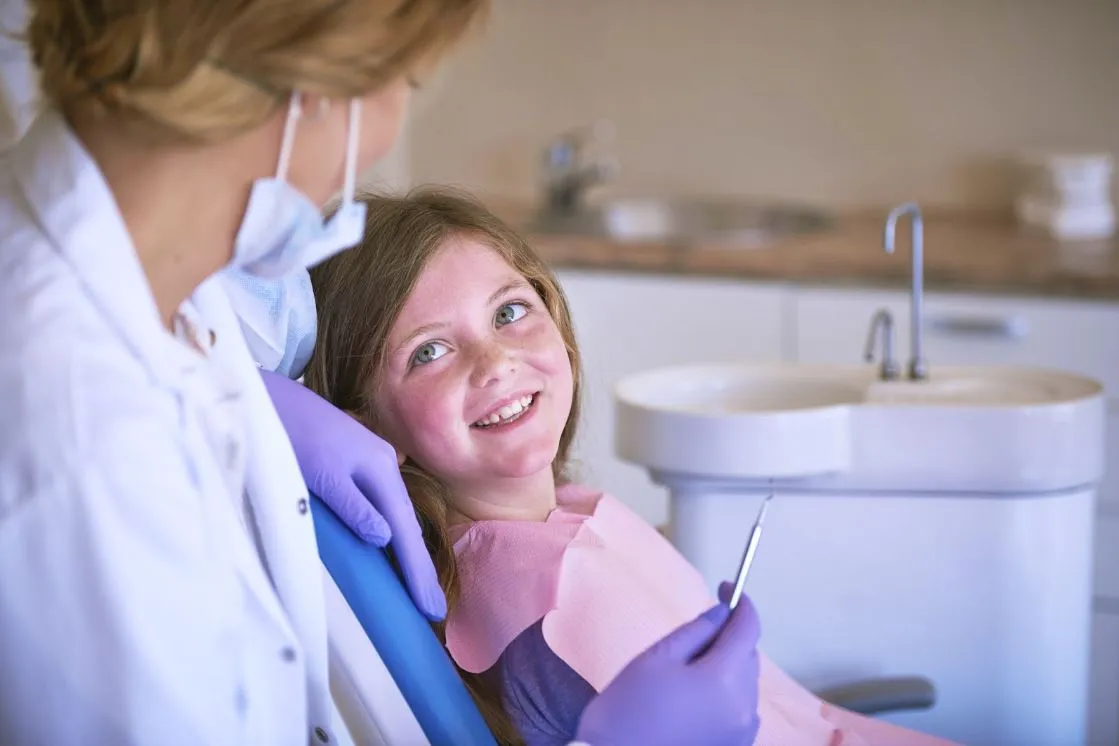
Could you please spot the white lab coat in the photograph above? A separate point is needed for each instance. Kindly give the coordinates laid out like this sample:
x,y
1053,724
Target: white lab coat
x,y
141,485
18,88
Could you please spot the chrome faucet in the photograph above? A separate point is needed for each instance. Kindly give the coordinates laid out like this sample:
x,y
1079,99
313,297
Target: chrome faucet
x,y
882,323
918,366
566,178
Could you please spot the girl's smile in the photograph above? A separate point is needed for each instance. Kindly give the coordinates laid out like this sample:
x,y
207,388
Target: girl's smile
x,y
513,410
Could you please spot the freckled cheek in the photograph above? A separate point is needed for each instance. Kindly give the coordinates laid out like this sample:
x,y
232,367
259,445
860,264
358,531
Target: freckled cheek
x,y
553,360
429,420
564,382
553,354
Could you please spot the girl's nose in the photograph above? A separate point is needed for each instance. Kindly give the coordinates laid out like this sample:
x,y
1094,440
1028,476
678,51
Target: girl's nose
x,y
493,363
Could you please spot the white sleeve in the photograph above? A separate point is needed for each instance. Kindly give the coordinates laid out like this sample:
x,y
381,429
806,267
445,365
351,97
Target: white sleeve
x,y
119,623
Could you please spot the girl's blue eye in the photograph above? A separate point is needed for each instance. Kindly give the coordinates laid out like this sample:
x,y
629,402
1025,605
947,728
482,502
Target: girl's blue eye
x,y
511,312
429,352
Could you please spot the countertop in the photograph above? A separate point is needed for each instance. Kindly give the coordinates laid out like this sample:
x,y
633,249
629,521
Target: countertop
x,y
963,253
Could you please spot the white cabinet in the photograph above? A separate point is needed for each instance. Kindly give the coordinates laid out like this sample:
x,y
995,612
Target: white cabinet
x,y
1103,718
626,323
830,326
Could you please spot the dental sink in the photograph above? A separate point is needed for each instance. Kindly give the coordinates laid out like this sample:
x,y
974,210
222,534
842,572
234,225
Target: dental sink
x,y
718,224
797,421
711,391
912,520
929,519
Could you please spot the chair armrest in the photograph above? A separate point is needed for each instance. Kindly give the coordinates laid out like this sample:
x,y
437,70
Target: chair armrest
x,y
882,695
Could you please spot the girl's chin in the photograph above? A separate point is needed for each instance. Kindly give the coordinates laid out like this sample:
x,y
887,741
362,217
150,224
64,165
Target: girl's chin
x,y
510,467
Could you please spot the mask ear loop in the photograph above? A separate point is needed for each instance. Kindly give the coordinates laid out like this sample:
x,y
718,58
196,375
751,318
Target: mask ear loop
x,y
351,151
287,141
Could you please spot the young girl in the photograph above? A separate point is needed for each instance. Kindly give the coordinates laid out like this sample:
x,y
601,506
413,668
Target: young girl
x,y
446,335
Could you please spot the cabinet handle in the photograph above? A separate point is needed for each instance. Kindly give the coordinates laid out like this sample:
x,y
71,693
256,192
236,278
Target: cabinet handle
x,y
987,327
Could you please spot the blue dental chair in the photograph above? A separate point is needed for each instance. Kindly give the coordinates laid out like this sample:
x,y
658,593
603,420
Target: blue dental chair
x,y
402,636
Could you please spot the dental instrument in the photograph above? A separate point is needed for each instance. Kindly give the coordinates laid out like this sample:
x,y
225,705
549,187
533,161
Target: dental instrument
x,y
751,550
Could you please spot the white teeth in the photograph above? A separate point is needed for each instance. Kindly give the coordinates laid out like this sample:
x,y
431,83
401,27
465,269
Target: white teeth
x,y
506,413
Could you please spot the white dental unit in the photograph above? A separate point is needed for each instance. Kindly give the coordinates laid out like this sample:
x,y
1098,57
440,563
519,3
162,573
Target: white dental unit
x,y
930,520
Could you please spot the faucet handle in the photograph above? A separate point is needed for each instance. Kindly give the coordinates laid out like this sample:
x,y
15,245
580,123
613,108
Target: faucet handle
x,y
566,175
882,323
565,149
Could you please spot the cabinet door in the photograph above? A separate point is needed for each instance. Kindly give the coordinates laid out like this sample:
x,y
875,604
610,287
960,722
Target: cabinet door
x,y
1083,337
627,323
1103,709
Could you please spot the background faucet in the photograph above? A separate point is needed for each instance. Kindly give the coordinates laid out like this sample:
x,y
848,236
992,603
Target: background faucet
x,y
882,323
918,366
566,176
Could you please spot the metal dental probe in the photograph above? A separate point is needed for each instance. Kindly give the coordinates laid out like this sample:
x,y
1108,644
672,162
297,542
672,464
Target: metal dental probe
x,y
751,549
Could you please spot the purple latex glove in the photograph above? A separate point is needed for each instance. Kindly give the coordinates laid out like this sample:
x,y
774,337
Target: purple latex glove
x,y
697,685
357,475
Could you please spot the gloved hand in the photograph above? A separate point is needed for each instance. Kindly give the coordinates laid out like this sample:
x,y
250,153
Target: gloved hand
x,y
357,475
698,685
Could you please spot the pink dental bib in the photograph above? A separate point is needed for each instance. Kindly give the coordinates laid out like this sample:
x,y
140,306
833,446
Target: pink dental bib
x,y
607,586
605,583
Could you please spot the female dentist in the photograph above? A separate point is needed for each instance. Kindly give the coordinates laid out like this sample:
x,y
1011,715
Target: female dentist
x,y
160,581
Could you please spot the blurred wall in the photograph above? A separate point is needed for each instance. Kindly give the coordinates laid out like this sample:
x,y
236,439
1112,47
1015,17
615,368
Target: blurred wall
x,y
853,103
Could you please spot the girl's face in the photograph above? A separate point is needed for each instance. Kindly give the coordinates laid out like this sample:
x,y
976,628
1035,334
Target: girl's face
x,y
477,384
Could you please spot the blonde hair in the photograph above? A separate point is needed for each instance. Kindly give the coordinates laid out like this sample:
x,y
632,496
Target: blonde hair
x,y
207,70
360,294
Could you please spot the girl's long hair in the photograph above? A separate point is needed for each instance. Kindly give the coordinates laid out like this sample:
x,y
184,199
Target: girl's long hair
x,y
360,294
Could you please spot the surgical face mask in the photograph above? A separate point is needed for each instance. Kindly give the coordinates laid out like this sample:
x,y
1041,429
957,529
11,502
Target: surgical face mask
x,y
277,318
282,229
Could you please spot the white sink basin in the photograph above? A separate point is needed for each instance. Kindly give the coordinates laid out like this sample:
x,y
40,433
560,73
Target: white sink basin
x,y
729,389
761,422
984,387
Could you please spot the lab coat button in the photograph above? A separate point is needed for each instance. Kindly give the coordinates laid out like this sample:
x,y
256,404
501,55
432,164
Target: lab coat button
x,y
302,505
288,654
321,735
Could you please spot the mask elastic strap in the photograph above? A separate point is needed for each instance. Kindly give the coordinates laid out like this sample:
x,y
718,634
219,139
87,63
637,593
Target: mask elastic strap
x,y
287,141
351,151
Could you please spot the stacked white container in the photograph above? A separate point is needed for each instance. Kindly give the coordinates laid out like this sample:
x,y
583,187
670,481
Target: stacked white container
x,y
1069,194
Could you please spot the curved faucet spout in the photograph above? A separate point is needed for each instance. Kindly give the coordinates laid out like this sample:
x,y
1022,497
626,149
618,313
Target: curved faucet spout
x,y
918,366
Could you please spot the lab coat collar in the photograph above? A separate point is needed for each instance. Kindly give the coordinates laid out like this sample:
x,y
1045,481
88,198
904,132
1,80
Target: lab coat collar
x,y
71,201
